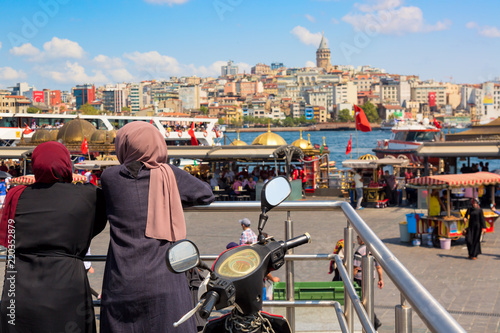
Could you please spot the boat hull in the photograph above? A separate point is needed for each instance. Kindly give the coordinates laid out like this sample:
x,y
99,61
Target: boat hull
x,y
409,153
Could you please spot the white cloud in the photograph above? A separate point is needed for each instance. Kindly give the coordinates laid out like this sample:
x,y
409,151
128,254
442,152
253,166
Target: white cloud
x,y
379,5
167,2
305,36
106,62
393,21
154,65
63,48
75,74
311,18
485,31
0,45
8,73
334,20
25,50
121,75
310,63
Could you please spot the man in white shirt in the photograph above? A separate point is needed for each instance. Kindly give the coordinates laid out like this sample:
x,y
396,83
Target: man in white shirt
x,y
358,181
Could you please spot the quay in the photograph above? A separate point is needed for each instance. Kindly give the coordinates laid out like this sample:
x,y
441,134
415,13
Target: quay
x,y
316,127
467,289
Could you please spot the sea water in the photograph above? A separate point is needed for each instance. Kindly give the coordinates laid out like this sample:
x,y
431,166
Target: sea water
x,y
362,143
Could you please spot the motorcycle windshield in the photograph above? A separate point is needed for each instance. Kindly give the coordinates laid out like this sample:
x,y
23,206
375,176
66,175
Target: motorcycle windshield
x,y
239,264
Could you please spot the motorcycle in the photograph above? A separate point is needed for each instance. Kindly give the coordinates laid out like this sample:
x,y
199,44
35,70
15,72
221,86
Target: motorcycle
x,y
237,276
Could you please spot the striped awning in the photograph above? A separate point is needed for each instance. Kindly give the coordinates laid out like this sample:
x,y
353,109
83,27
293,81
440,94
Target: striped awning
x,y
460,180
30,179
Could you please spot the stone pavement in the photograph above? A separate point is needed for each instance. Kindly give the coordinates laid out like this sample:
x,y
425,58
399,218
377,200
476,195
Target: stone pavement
x,y
469,290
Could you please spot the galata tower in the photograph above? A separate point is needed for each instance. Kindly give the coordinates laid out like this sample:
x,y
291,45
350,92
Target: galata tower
x,y
323,55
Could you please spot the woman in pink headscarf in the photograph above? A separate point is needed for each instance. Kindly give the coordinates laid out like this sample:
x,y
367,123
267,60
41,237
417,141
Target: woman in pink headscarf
x,y
146,196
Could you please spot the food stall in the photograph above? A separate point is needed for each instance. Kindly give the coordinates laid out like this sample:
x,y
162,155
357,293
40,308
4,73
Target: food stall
x,y
452,224
373,190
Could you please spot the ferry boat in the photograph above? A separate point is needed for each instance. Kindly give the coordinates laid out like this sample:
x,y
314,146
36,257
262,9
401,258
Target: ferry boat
x,y
405,139
13,126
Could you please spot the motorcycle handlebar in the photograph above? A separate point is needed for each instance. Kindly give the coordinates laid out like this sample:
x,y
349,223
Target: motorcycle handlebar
x,y
210,301
294,242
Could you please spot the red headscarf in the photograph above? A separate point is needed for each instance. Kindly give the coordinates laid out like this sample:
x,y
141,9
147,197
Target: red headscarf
x,y
140,141
51,163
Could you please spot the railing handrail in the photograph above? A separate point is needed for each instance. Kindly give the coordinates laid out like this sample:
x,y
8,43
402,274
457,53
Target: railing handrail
x,y
427,307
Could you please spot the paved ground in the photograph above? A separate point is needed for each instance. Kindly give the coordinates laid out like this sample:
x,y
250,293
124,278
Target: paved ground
x,y
469,290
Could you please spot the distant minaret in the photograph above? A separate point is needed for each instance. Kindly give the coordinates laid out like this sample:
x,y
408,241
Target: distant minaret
x,y
323,55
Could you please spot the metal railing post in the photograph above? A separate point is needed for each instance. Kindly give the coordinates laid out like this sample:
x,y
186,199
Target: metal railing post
x,y
403,317
290,281
367,285
348,260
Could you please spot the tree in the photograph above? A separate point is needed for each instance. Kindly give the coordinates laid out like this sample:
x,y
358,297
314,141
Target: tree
x,y
345,115
221,121
370,112
33,109
125,109
89,109
204,110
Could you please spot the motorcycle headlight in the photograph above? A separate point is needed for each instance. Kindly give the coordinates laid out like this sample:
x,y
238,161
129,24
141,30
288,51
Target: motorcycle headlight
x,y
239,264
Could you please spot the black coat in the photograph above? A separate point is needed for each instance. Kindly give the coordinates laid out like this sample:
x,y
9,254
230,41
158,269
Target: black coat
x,y
54,224
474,230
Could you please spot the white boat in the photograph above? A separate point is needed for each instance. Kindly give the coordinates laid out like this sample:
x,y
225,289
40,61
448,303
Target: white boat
x,y
12,126
388,124
406,137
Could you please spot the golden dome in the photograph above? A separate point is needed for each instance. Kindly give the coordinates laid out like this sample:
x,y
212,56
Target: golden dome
x,y
44,135
75,130
368,157
302,143
238,142
103,137
269,139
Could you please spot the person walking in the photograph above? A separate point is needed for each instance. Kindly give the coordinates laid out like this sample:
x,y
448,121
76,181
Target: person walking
x,y
247,236
358,273
145,199
477,226
358,185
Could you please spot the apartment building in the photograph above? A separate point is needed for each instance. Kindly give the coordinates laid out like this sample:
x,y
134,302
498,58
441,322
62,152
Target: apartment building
x,y
421,91
14,104
84,94
261,69
345,93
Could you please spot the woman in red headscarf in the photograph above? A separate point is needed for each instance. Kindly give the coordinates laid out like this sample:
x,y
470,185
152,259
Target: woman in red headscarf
x,y
146,196
47,228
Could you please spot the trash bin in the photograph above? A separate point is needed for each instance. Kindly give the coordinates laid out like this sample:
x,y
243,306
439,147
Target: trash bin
x,y
403,232
413,220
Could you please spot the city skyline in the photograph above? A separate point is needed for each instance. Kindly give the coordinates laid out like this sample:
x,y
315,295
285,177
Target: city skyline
x,y
58,44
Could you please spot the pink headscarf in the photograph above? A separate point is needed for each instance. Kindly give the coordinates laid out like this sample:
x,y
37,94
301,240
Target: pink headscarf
x,y
140,141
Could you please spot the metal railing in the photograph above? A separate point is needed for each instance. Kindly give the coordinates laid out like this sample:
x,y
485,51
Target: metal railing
x,y
413,294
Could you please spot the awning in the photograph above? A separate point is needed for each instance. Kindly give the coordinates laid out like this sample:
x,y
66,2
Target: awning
x,y
14,152
460,180
374,164
232,153
459,149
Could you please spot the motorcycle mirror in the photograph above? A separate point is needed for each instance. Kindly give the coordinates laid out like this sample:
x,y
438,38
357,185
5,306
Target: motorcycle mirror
x,y
274,192
182,256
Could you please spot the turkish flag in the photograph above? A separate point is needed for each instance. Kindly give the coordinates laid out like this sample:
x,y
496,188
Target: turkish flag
x,y
151,122
27,130
349,146
436,123
362,123
85,146
194,142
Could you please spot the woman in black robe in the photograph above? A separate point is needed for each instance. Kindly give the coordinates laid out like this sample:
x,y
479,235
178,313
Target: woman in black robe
x,y
477,226
47,228
139,293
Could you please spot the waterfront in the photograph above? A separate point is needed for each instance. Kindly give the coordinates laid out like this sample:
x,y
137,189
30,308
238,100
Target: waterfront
x,y
337,143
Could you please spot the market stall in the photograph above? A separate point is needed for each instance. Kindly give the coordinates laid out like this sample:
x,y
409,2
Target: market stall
x,y
452,224
373,191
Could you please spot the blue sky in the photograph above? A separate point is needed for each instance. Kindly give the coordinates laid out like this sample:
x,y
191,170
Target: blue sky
x,y
57,44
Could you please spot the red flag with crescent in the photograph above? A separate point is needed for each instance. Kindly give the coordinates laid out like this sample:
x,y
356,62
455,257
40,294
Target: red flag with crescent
x,y
362,122
349,146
